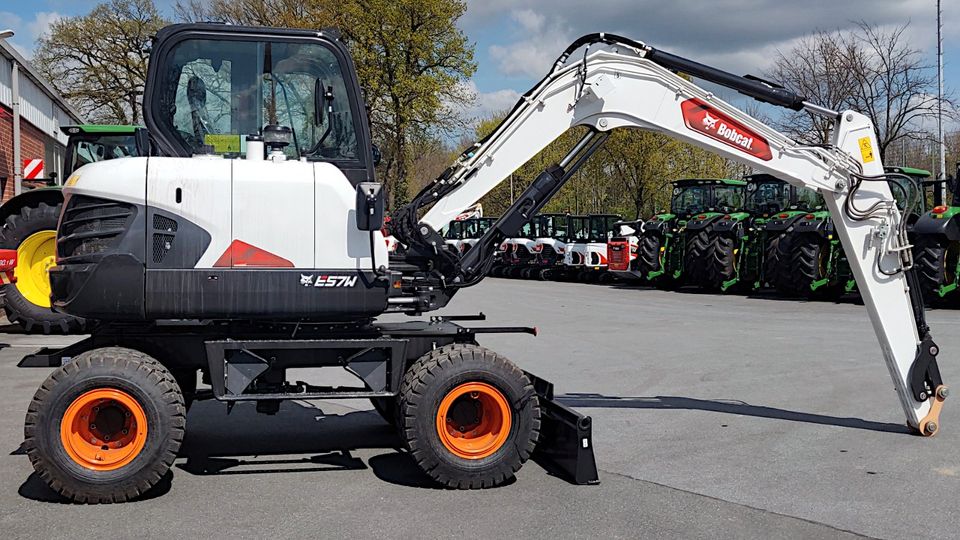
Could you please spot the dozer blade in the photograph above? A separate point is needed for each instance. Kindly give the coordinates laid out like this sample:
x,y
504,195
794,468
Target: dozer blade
x,y
565,448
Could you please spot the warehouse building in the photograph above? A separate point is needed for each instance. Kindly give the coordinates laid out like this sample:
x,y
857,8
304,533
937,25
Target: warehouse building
x,y
31,113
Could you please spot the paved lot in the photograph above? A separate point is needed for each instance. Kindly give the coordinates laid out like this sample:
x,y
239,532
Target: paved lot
x,y
713,417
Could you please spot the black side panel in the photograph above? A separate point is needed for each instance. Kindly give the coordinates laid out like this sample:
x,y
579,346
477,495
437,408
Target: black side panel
x,y
109,289
299,294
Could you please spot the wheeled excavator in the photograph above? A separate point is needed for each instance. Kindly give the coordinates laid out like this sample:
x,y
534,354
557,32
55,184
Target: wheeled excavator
x,y
241,265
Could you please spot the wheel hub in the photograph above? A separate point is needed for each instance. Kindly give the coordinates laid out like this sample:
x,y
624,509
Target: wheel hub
x,y
474,420
35,256
103,429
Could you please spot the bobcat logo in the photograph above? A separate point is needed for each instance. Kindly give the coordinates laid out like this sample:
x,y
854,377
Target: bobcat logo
x,y
306,280
709,122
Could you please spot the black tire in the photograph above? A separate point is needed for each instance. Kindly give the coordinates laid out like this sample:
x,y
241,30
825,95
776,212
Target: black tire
x,y
527,273
696,251
649,257
721,265
777,258
808,263
545,274
31,317
434,375
935,259
141,377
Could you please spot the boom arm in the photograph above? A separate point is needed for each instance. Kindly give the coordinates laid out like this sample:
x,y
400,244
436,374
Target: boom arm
x,y
619,83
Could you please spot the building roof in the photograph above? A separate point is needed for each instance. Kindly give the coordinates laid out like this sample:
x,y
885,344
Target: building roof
x,y
7,50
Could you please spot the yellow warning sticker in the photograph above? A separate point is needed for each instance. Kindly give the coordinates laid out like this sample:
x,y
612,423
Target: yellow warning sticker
x,y
866,149
223,143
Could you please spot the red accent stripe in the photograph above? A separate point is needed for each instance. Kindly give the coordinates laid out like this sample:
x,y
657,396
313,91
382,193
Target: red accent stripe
x,y
240,253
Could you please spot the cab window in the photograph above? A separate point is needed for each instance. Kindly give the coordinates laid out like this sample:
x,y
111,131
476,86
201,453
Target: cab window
x,y
217,92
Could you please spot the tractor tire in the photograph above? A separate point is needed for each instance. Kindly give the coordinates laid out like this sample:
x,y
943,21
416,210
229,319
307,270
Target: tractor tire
x,y
935,259
722,262
696,253
469,417
808,263
649,257
140,412
777,258
32,232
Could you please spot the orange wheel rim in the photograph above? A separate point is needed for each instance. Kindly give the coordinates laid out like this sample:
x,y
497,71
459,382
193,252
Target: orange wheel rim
x,y
474,420
104,429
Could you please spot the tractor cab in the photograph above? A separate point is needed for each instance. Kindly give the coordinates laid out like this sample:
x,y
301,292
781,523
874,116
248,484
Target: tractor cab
x,y
90,143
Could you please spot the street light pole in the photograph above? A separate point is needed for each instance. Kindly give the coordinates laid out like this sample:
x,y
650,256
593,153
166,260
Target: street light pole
x,y
943,149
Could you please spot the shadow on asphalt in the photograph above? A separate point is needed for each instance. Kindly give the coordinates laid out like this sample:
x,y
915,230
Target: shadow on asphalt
x,y
36,489
298,439
724,406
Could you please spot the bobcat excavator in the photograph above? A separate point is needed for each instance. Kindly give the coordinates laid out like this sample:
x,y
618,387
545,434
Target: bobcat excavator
x,y
259,250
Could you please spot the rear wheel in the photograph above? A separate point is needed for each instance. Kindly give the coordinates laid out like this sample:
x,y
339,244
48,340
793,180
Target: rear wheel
x,y
32,232
650,256
810,263
721,265
776,265
697,249
936,260
105,427
469,417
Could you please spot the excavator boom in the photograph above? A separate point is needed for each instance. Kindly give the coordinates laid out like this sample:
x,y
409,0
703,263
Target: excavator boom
x,y
619,83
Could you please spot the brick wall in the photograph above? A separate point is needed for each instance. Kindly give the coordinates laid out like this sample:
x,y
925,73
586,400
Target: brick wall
x,y
32,144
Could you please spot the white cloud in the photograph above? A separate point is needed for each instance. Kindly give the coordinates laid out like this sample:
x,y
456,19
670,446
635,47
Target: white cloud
x,y
27,32
40,25
486,104
737,35
532,55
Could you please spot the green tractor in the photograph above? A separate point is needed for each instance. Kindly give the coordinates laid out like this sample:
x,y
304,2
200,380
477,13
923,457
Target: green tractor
x,y
812,261
30,223
936,244
674,246
746,244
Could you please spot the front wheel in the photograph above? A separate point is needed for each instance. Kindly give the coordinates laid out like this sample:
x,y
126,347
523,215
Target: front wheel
x,y
469,417
105,427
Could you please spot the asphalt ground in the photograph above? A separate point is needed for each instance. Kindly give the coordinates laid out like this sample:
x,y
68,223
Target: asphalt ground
x,y
714,417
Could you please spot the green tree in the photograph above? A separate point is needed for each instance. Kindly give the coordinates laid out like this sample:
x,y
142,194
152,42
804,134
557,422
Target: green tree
x,y
98,61
411,58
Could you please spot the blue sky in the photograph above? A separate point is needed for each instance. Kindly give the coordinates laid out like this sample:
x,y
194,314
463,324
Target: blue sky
x,y
516,40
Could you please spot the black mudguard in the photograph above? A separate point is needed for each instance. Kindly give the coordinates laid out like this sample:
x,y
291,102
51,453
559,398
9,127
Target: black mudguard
x,y
699,224
822,227
928,225
777,225
565,448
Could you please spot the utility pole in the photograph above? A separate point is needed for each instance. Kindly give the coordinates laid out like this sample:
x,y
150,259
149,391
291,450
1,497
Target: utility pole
x,y
943,148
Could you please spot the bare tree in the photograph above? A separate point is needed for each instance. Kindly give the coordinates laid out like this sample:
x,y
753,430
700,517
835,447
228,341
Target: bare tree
x,y
814,68
870,70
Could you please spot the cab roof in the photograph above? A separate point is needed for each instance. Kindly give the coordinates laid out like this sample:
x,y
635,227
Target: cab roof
x,y
97,129
910,171
706,181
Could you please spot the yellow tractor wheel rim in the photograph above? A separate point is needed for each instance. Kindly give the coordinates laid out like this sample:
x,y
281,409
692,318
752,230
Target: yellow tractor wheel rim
x,y
35,256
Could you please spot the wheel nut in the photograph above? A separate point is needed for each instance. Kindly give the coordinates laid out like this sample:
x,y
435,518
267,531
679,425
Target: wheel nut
x,y
462,429
106,437
475,395
93,427
127,414
124,431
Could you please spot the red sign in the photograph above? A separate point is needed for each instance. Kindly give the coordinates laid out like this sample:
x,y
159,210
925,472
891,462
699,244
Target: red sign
x,y
704,119
32,169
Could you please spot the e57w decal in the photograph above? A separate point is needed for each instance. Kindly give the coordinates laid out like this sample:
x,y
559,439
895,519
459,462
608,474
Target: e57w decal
x,y
704,119
307,280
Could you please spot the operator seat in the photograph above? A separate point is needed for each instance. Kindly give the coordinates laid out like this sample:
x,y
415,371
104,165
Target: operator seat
x,y
197,98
